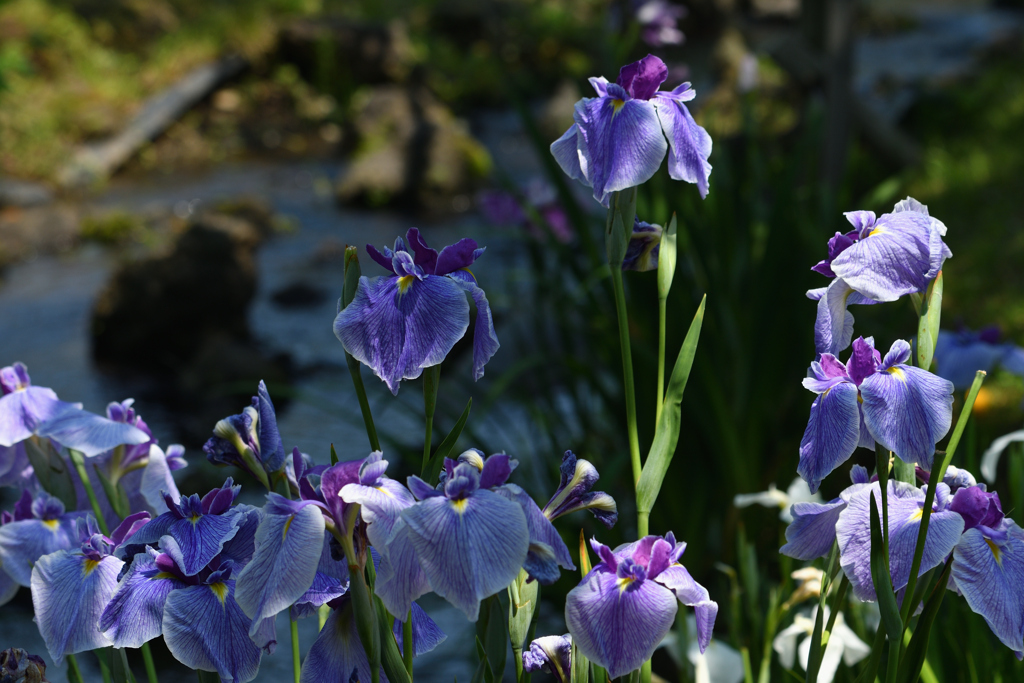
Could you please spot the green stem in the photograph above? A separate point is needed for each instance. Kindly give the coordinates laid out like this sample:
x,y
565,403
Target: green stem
x,y
933,481
882,456
871,669
78,460
627,371
355,371
74,673
296,655
893,665
662,314
322,613
407,649
642,523
147,660
431,380
104,665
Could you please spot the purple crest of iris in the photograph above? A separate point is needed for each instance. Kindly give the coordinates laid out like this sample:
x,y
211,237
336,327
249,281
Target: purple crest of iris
x,y
625,606
959,355
249,440
70,588
552,654
889,256
400,323
38,527
643,247
853,532
659,22
381,499
620,137
872,399
576,479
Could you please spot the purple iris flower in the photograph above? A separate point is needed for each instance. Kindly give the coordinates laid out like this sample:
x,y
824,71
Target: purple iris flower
x,y
15,469
625,606
658,20
38,527
552,654
958,355
503,208
468,539
70,589
833,325
576,478
27,410
882,259
868,400
853,531
381,499
249,440
813,530
618,139
644,245
399,324
199,527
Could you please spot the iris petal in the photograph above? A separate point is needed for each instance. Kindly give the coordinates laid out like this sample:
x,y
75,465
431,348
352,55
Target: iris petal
x,y
566,152
426,634
89,433
337,652
401,578
990,575
833,326
21,412
540,528
23,543
398,334
813,529
485,340
198,541
678,580
689,142
831,435
135,614
381,506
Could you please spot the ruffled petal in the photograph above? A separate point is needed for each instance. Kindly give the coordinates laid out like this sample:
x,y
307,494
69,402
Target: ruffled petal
x,y
831,435
618,625
813,530
337,652
196,543
908,410
89,433
485,340
398,334
566,152
471,548
678,580
380,507
204,628
624,145
690,143
457,256
990,576
288,549
69,592
401,578
135,614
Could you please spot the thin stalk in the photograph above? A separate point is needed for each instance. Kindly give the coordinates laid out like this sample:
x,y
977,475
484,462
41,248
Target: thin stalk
x,y
74,673
870,670
104,666
642,523
321,615
147,660
882,456
296,656
407,650
355,371
431,380
837,603
933,481
893,665
662,315
627,371
79,463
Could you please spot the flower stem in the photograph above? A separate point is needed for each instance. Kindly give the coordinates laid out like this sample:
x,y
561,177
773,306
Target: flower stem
x,y
407,644
662,314
627,371
355,371
77,459
296,656
74,673
431,380
147,660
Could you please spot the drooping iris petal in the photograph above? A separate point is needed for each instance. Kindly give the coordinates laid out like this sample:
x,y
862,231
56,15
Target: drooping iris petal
x,y
13,463
397,327
678,580
832,433
89,433
833,326
323,589
470,548
288,549
566,152
485,340
853,532
690,144
135,614
8,587
23,543
624,144
908,410
576,478
401,577
990,575
156,480
541,532
240,547
618,624
23,410
204,628
69,592
337,652
426,634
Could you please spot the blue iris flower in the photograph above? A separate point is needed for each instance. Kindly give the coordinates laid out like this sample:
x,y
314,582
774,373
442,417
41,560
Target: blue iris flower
x,y
959,355
399,324
38,526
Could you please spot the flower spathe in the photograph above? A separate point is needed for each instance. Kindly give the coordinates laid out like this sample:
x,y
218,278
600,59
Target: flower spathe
x,y
399,324
249,440
626,604
872,399
620,137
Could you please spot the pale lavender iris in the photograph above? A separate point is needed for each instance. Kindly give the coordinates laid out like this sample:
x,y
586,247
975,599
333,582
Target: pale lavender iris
x,y
643,247
249,440
399,324
626,605
576,479
833,324
868,400
813,530
551,654
889,256
620,137
959,355
381,499
38,527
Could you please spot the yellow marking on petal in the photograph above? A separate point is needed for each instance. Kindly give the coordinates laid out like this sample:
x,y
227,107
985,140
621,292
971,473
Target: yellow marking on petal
x,y
460,505
51,524
876,231
287,524
163,575
220,589
90,566
384,491
996,551
624,582
194,518
617,105
405,282
470,273
897,373
916,515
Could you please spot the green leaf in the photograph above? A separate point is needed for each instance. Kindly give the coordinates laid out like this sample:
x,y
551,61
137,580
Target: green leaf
x,y
119,669
580,666
446,446
51,470
521,608
334,455
914,657
496,640
883,583
616,240
352,274
116,496
928,324
666,436
482,670
391,657
667,255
